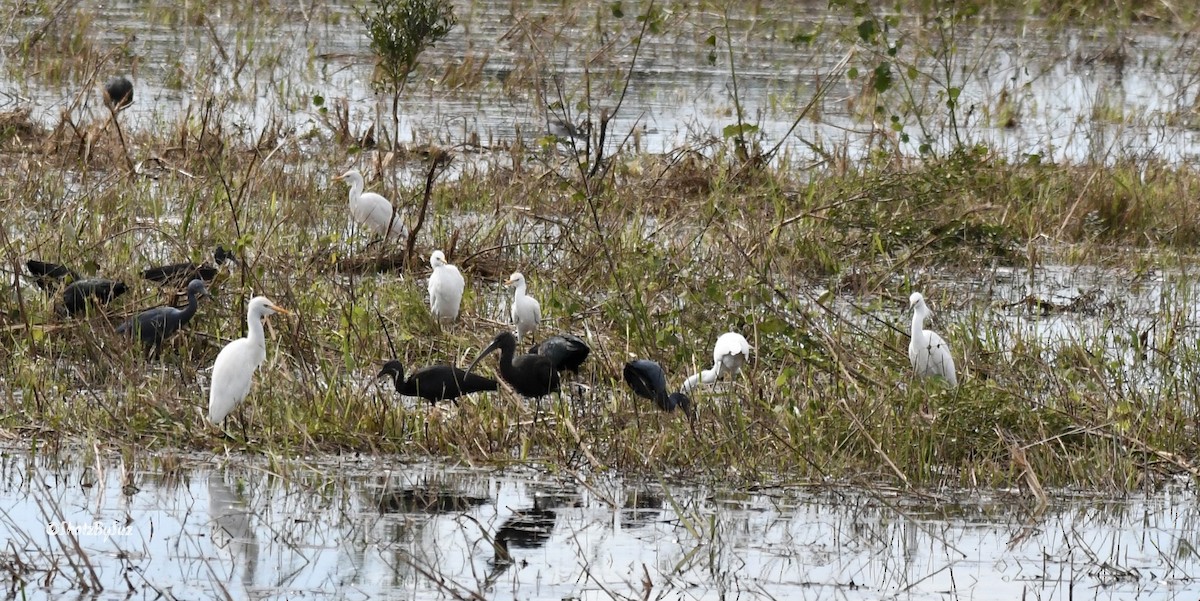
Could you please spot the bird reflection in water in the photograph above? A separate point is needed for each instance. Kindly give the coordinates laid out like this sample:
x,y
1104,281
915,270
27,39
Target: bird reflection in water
x,y
232,529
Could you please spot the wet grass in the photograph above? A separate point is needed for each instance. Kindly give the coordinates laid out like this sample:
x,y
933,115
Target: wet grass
x,y
652,256
650,265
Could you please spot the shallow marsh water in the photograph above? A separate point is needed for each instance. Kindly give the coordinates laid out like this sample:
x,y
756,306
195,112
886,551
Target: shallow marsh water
x,y
331,528
1072,95
381,528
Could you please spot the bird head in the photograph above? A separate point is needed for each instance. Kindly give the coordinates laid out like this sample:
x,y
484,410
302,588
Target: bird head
x,y
683,402
352,177
916,302
437,259
198,288
514,280
505,341
262,307
393,369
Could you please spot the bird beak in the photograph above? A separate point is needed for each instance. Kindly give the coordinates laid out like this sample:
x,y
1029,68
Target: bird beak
x,y
279,309
491,347
508,282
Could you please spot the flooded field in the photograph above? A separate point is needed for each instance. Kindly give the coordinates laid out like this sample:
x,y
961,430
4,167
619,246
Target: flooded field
x,y
515,71
379,528
1031,177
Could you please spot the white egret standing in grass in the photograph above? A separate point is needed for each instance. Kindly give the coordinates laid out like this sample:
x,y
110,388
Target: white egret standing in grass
x,y
370,209
929,354
236,363
729,355
526,312
446,287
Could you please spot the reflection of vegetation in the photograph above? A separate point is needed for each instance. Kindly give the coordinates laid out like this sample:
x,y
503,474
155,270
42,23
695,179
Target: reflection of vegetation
x,y
400,30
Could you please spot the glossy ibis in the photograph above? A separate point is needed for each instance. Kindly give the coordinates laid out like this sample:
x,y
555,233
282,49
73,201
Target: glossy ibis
x,y
436,383
153,326
177,273
80,293
50,276
567,351
648,381
532,376
118,93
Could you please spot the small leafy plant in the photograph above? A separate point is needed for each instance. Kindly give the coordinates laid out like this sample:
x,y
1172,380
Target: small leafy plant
x,y
400,30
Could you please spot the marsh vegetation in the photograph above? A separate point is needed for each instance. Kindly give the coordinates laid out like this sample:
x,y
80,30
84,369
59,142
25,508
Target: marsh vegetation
x,y
661,174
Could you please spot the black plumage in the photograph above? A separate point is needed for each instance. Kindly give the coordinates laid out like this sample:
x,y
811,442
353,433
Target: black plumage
x,y
527,529
436,383
153,326
566,351
177,273
532,376
79,293
50,276
118,92
648,381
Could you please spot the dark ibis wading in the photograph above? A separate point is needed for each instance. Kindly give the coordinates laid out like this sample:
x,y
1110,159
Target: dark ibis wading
x,y
436,383
648,381
532,376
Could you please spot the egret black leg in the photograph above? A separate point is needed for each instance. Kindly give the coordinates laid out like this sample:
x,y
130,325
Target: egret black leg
x,y
242,420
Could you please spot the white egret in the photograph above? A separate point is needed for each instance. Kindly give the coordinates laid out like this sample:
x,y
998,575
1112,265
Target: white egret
x,y
370,209
729,355
236,363
929,354
446,287
526,312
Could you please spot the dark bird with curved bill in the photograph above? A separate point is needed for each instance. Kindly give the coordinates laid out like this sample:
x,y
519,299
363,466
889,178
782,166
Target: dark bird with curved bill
x,y
566,351
648,381
177,273
532,376
50,276
154,326
79,294
437,382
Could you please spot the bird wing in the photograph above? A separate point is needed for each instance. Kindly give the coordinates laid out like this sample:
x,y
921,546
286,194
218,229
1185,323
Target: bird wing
x,y
730,344
939,360
232,374
543,376
375,212
646,378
